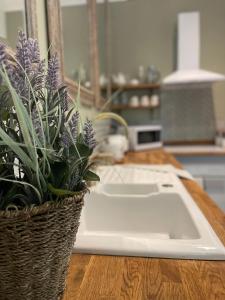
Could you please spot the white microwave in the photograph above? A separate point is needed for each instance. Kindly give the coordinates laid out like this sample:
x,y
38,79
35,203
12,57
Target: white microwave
x,y
143,137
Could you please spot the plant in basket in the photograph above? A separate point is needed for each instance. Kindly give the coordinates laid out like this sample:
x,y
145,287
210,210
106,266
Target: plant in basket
x,y
44,171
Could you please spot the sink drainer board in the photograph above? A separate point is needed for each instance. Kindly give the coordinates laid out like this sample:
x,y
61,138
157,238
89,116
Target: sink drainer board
x,y
141,210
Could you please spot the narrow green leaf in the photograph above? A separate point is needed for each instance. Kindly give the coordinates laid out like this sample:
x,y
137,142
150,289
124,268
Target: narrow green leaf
x,y
22,114
60,192
91,176
25,184
15,148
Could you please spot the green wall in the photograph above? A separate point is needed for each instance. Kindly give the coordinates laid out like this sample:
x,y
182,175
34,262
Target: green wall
x,y
14,23
75,30
144,32
75,37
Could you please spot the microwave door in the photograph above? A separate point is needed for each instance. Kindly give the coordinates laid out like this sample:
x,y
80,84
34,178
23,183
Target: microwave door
x,y
146,137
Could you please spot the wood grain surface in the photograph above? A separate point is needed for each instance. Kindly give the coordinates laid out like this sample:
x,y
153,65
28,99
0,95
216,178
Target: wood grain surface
x,y
96,277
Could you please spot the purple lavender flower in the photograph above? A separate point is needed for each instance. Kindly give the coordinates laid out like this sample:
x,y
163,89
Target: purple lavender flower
x,y
17,80
10,69
89,134
69,135
64,100
2,58
74,126
52,79
4,63
38,79
23,53
2,54
65,139
41,66
34,50
38,65
28,57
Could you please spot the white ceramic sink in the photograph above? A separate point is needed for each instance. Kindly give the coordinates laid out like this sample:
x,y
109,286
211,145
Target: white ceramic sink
x,y
135,211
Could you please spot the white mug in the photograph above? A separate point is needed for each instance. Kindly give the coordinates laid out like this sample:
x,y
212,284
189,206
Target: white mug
x,y
154,100
145,101
134,101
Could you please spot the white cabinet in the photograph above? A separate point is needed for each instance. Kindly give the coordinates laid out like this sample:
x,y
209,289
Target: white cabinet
x,y
209,172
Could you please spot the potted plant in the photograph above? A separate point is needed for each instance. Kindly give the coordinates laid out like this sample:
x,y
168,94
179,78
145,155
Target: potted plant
x,y
44,171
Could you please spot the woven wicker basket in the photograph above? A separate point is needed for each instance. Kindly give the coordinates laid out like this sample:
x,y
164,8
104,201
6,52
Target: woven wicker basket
x,y
35,247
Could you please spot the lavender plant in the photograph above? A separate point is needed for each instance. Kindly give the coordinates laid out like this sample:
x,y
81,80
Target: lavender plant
x,y
44,150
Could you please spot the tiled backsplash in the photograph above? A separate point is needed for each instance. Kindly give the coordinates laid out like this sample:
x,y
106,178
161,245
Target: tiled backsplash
x,y
187,114
142,116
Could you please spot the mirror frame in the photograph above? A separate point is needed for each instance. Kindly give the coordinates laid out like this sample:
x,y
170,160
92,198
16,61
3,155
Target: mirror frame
x,y
31,18
30,22
55,42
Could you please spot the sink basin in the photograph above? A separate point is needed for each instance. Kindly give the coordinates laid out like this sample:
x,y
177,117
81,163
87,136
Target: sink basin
x,y
128,189
127,217
150,214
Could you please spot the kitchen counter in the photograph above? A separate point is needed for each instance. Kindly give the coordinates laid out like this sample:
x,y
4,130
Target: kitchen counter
x,y
195,150
96,277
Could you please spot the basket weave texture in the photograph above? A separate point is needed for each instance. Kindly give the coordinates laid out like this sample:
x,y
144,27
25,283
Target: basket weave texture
x,y
35,248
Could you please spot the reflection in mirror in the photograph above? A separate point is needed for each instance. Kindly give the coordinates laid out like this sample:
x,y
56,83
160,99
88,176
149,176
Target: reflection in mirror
x,y
75,32
144,47
12,19
143,35
88,96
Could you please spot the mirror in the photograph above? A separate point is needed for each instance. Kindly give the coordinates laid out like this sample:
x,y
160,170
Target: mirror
x,y
76,42
15,16
130,48
139,49
72,32
12,19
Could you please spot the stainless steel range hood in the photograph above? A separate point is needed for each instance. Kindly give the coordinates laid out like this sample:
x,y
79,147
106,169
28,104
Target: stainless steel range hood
x,y
188,51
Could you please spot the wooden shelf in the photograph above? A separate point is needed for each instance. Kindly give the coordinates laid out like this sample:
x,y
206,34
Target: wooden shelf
x,y
141,86
123,106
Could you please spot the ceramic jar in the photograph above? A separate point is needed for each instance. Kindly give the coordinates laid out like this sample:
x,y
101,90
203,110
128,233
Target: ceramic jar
x,y
153,74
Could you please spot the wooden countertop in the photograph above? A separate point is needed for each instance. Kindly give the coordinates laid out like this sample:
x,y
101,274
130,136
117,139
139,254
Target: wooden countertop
x,y
195,150
96,277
